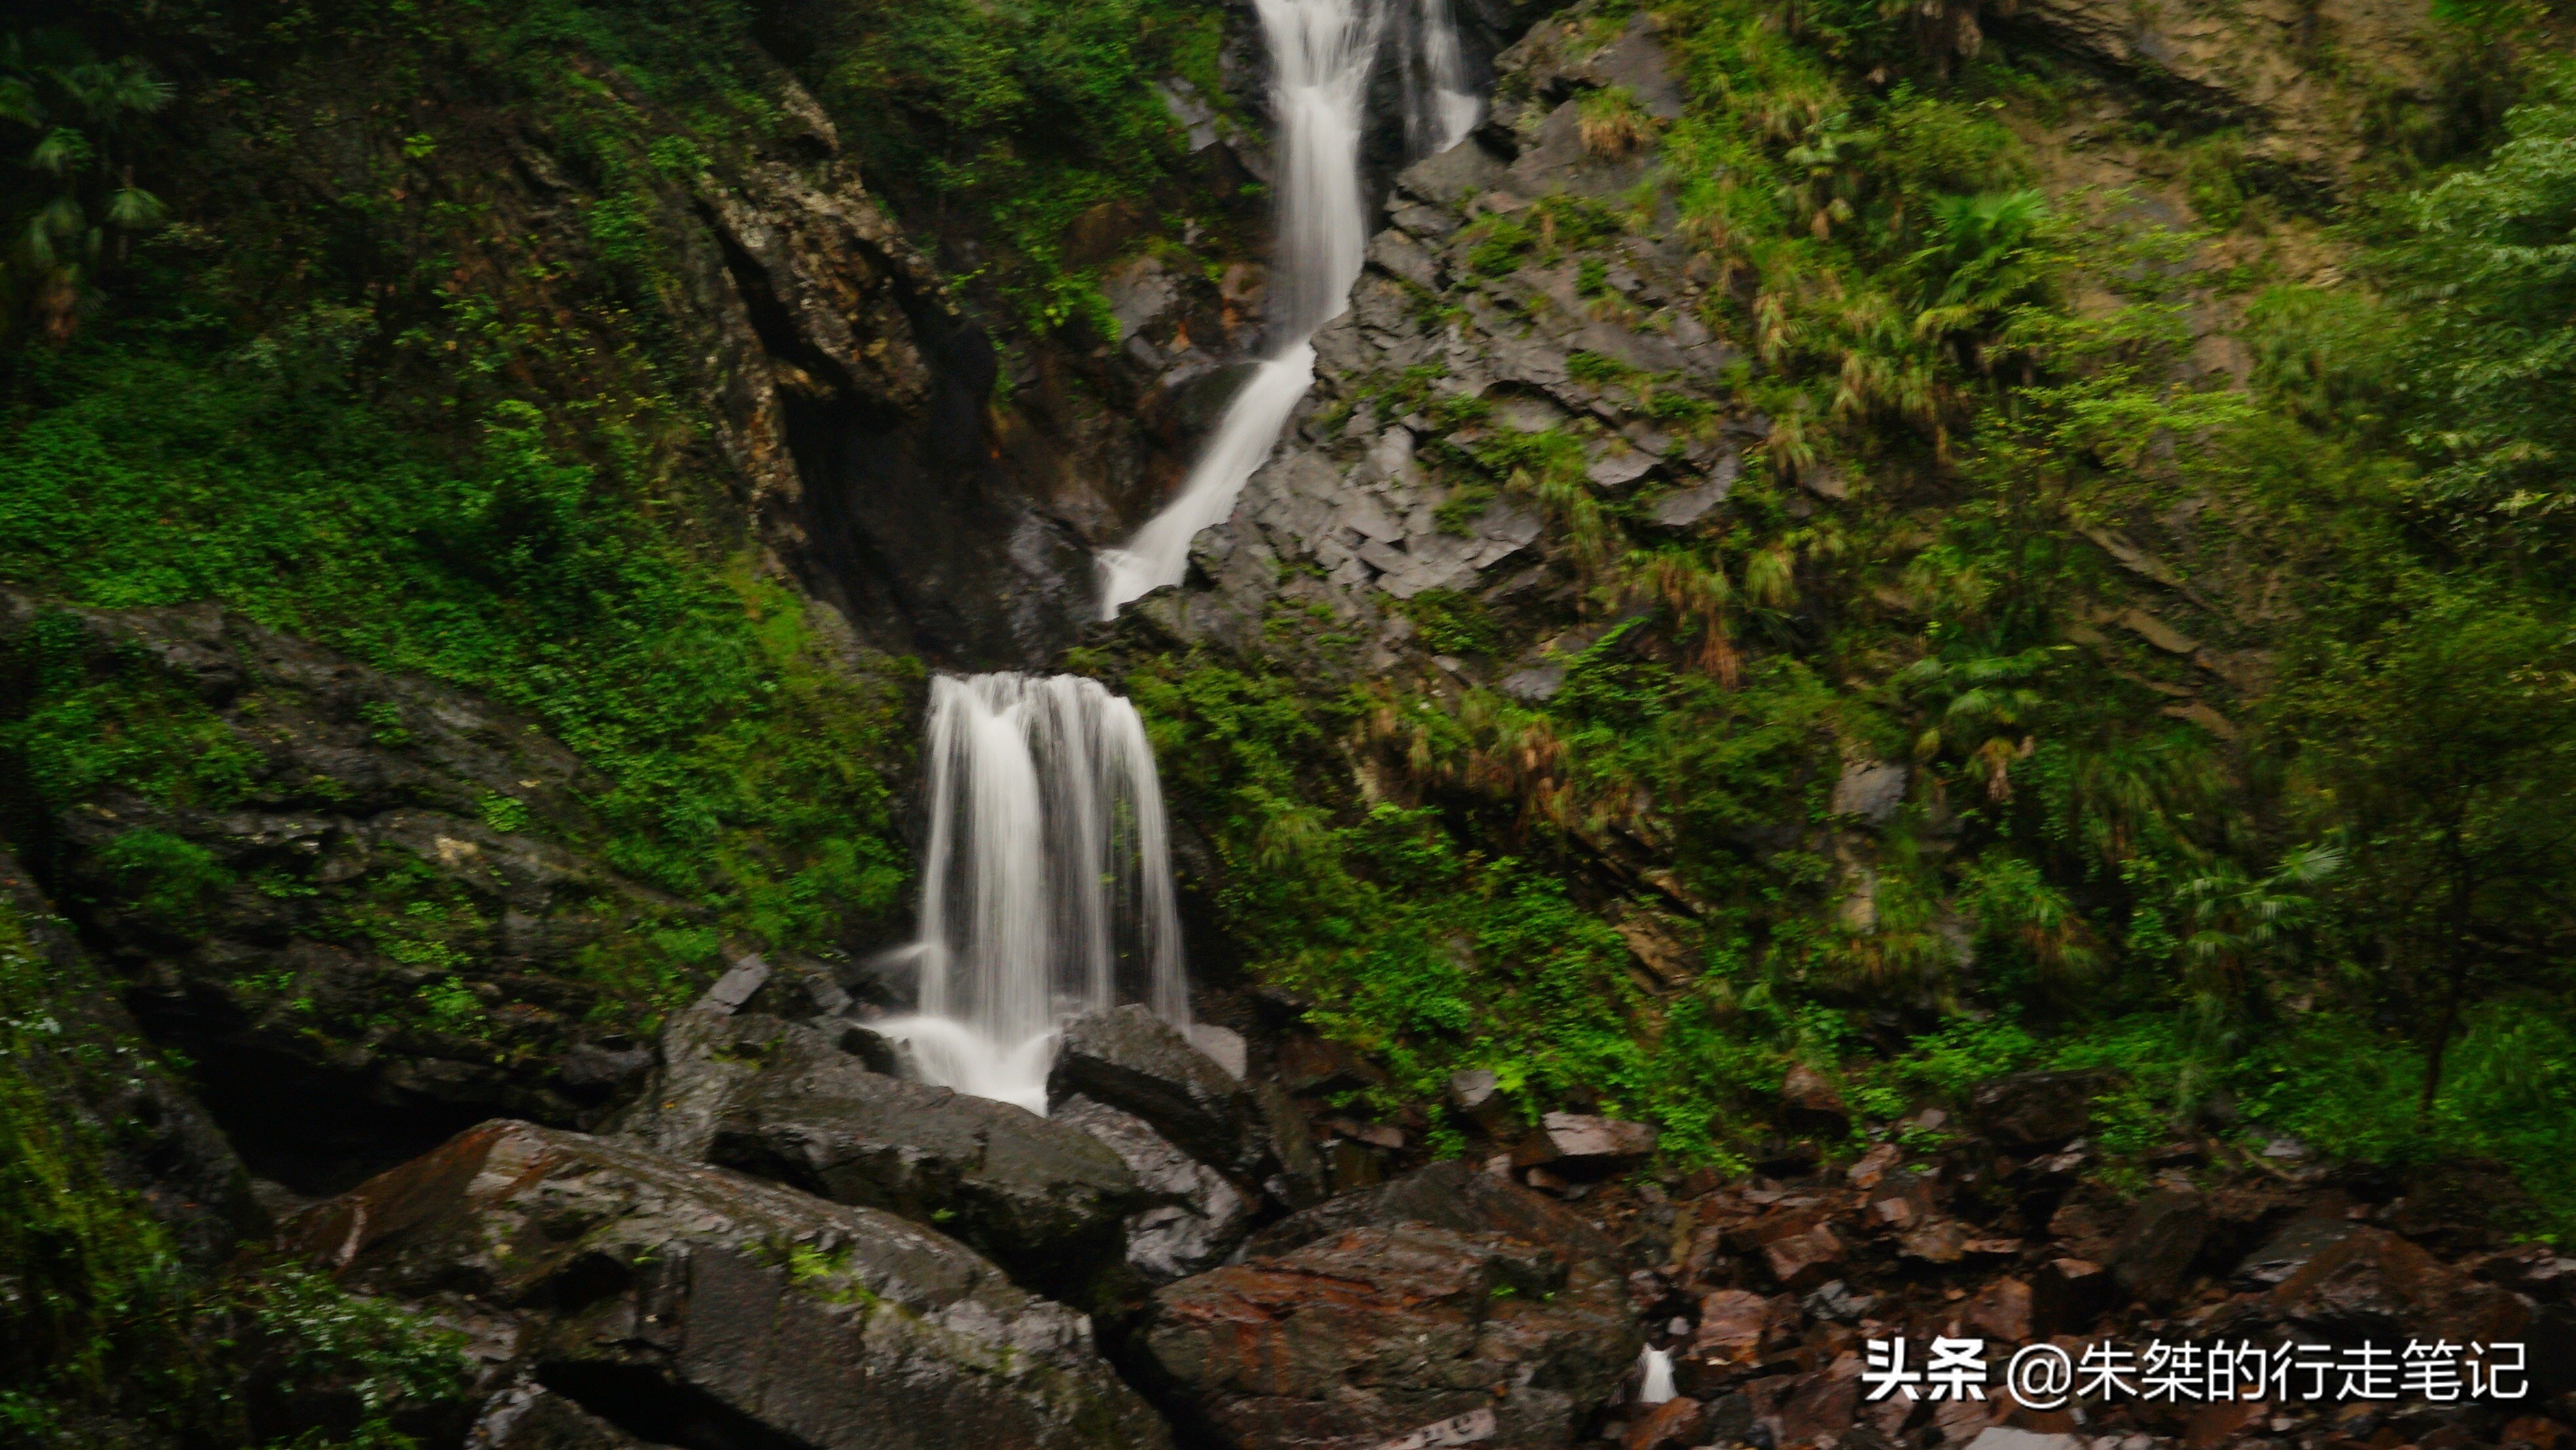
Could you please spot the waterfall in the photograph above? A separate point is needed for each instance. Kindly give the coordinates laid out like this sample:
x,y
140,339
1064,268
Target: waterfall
x,y
1441,110
1655,1376
1322,53
1046,872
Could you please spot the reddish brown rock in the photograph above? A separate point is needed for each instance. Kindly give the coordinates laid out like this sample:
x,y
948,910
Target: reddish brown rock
x,y
1826,1404
1580,1143
1453,1195
1901,1199
1367,1335
1958,1422
2213,1425
1809,1104
1873,1166
1941,1241
1732,1325
1802,1261
2038,1109
1672,1425
2066,1295
2377,1284
2001,1311
2153,1255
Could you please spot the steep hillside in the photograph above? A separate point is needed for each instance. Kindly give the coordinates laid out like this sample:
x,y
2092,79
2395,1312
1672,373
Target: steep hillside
x,y
1840,552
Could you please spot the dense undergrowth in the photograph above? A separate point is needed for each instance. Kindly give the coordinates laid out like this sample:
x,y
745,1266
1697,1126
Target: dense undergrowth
x,y
2316,886
1025,135
107,1327
380,422
2305,874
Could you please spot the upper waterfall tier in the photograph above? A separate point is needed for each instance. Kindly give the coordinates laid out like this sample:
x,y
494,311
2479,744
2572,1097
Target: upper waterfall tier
x,y
1322,55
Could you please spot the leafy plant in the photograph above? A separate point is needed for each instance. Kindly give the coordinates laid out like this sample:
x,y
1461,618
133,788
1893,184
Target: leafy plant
x,y
80,111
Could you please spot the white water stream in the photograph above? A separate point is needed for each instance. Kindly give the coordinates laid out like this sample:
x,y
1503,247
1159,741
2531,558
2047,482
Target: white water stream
x,y
1046,872
1046,885
1322,53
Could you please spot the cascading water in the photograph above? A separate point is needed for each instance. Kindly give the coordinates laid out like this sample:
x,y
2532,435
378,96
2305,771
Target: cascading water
x,y
1047,888
1046,879
1322,52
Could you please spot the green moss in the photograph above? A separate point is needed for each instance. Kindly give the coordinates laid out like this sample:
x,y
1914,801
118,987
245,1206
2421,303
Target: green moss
x,y
171,880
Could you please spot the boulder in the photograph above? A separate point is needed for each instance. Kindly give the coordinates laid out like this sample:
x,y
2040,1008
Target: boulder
x,y
1673,1425
2066,1295
1582,1144
1309,1064
1300,1179
1732,1326
2291,1248
678,1303
2038,1109
1687,508
1801,1261
2374,1284
783,1101
359,793
2152,1257
2001,1311
1201,1217
1809,1104
1452,1195
1369,1334
1871,790
1134,1061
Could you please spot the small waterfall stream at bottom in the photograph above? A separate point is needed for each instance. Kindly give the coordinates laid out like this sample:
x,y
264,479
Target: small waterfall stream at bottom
x,y
1046,882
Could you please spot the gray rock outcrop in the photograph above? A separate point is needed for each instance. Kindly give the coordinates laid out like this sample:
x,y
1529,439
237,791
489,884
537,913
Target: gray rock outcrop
x,y
622,1296
783,1101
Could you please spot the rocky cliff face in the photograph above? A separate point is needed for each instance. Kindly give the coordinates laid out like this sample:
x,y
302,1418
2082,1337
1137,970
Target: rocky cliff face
x,y
391,927
375,910
1454,352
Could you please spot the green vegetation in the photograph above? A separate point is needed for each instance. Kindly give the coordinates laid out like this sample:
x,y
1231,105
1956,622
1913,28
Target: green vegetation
x,y
86,208
2291,860
106,1327
1034,126
477,471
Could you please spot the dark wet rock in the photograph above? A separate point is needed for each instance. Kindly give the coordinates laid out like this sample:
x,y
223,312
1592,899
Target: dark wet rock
x,y
1672,1425
328,1051
1452,1195
2001,1311
859,408
1300,1178
1362,1336
1315,1065
2154,1253
1809,1104
1536,685
528,1416
1134,1061
654,1295
2067,1294
1804,1260
2038,1109
90,1065
1585,1144
1728,1342
783,1101
1688,508
2374,1284
2291,1248
1202,1215
1871,790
